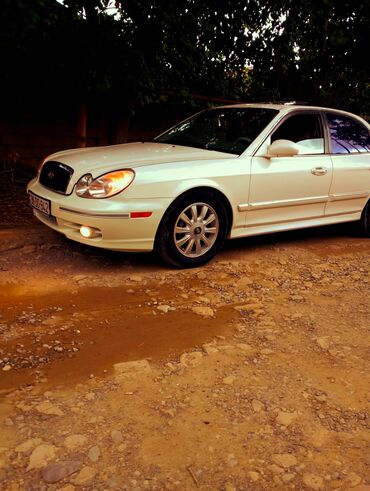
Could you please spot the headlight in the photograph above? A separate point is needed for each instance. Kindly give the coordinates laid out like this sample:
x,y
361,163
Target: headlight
x,y
104,186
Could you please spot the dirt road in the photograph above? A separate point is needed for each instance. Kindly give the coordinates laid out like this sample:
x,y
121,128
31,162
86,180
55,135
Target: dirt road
x,y
119,373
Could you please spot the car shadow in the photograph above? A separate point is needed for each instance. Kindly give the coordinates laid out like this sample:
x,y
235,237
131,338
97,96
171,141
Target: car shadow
x,y
237,247
299,237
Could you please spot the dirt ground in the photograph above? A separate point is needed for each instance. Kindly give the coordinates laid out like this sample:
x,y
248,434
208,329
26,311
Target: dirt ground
x,y
120,373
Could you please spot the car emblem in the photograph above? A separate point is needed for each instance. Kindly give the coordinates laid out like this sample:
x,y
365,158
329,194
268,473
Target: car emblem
x,y
50,175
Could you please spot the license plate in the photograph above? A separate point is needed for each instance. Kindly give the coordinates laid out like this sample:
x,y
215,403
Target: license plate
x,y
40,204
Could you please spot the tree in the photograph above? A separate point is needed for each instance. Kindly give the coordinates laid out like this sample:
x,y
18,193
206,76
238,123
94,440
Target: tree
x,y
75,53
315,53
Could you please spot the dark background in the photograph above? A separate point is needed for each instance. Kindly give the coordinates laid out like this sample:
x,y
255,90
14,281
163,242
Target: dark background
x,y
97,72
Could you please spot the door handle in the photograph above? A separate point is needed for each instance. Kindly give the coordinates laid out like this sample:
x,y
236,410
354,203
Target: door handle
x,y
319,171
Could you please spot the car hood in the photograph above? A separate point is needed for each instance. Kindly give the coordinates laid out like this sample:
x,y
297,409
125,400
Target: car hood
x,y
132,155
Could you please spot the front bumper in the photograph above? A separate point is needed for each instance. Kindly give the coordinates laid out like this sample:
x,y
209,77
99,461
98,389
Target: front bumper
x,y
112,217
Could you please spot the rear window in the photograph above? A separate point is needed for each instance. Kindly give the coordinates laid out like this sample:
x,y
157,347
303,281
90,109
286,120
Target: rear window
x,y
347,135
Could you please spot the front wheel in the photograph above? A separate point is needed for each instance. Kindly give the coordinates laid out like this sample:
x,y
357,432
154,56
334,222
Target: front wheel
x,y
193,230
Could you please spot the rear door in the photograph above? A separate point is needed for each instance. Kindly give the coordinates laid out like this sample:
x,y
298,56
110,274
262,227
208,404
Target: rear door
x,y
350,149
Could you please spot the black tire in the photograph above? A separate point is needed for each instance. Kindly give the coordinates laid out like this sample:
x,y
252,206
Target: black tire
x,y
168,241
365,221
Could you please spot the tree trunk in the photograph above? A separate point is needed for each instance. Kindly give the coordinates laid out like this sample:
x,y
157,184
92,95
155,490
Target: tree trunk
x,y
119,131
82,125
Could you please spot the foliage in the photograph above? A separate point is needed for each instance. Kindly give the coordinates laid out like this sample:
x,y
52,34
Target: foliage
x,y
77,51
317,53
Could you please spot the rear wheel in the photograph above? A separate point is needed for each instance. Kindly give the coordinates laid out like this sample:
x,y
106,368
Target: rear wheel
x,y
193,230
365,221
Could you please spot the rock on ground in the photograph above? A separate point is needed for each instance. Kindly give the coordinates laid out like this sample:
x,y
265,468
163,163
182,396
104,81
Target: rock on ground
x,y
41,455
57,471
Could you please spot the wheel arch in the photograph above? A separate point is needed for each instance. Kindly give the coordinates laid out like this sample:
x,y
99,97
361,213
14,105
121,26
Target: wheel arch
x,y
365,219
197,189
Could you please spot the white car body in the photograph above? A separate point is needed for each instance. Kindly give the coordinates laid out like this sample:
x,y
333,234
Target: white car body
x,y
264,193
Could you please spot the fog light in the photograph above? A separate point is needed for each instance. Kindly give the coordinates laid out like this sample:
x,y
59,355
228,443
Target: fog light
x,y
87,232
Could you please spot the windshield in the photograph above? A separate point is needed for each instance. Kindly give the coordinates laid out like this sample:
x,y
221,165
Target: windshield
x,y
229,130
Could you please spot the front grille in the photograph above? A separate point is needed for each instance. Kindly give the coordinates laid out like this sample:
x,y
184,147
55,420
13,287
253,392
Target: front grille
x,y
55,176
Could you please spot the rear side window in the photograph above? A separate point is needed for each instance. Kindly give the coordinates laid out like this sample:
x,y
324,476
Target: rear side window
x,y
347,135
303,129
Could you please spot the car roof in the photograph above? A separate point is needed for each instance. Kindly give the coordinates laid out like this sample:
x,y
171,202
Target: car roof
x,y
286,107
265,105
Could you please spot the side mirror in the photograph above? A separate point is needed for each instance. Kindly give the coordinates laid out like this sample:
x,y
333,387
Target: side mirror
x,y
282,148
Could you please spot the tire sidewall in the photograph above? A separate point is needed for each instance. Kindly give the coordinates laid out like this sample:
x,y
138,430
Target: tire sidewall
x,y
366,220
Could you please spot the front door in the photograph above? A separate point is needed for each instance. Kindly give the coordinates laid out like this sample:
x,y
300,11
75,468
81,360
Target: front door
x,y
289,189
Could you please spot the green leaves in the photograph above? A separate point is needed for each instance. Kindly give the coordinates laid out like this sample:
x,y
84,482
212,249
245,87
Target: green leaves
x,y
129,52
318,54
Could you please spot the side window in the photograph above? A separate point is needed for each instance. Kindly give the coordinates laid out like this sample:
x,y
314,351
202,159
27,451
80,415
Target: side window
x,y
303,129
347,135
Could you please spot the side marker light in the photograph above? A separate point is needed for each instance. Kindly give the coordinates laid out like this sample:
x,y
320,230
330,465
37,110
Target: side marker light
x,y
140,214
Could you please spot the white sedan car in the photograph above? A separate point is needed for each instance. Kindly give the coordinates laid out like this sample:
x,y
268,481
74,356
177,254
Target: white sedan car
x,y
226,172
